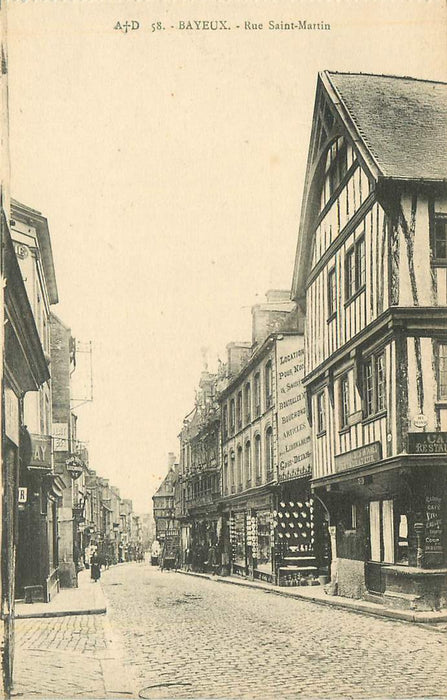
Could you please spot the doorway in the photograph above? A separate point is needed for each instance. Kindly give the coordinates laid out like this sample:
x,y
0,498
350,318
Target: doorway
x,y
381,537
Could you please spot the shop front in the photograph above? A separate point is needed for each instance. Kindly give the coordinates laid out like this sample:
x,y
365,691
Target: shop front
x,y
302,547
388,525
250,528
37,552
203,553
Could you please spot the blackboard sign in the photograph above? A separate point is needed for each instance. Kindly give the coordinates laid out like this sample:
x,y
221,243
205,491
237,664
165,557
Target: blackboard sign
x,y
433,529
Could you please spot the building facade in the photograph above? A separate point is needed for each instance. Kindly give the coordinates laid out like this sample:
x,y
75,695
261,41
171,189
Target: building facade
x,y
370,275
198,483
274,526
37,551
163,501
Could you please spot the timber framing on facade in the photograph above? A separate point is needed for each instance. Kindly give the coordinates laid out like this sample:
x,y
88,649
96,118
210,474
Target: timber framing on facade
x,y
371,277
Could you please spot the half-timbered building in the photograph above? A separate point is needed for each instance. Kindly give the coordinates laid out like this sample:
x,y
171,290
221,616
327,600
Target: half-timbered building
x,y
371,275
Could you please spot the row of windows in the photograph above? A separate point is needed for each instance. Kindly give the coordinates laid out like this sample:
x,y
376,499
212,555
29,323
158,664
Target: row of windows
x,y
374,389
201,487
238,468
355,263
374,394
248,404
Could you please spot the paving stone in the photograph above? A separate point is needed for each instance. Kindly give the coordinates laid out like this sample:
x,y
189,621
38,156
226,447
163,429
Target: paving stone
x,y
194,638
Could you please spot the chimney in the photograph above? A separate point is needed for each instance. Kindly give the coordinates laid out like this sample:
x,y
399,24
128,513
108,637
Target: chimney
x,y
277,295
270,316
238,356
171,460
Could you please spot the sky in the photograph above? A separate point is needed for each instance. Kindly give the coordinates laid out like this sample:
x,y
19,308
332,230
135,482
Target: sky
x,y
170,165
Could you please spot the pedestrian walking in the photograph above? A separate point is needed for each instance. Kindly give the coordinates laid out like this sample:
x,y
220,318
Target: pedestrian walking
x,y
95,567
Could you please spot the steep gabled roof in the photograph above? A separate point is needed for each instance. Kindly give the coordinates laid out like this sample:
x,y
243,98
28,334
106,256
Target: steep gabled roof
x,y
166,487
402,122
398,127
34,218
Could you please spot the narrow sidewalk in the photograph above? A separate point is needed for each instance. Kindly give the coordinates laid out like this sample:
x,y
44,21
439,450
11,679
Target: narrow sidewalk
x,y
316,594
87,599
68,648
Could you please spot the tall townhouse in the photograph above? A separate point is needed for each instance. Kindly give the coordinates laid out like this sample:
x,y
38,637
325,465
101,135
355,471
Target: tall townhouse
x,y
198,485
115,505
163,501
274,529
37,555
67,460
78,465
126,509
371,276
25,369
106,538
92,531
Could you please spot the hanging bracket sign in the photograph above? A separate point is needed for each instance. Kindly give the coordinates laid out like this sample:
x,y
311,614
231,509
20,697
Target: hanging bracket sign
x,y
75,466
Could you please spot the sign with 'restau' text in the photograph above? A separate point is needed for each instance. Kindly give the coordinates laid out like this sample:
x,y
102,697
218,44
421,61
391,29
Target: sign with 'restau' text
x,y
427,443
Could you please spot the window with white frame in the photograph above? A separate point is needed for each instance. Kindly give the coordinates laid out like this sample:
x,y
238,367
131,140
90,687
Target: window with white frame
x,y
374,384
239,467
232,417
355,268
247,402
321,412
268,385
225,422
269,449
439,242
442,371
331,293
248,462
258,466
225,474
232,471
257,394
239,410
344,401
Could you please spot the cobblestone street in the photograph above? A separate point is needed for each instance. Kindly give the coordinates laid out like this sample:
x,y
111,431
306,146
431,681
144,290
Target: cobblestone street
x,y
189,637
58,657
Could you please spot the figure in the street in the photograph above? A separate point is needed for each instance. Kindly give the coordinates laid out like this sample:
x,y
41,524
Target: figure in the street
x,y
95,567
188,559
155,553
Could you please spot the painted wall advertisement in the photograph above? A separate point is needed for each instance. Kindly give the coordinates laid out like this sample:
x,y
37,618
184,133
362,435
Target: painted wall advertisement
x,y
295,457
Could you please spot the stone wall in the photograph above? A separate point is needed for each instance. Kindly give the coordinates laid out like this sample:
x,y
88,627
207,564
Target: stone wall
x,y
351,578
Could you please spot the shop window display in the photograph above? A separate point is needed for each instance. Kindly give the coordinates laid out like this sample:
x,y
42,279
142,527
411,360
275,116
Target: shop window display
x,y
264,548
239,539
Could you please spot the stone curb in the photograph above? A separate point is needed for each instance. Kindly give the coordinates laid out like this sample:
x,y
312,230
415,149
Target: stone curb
x,y
355,607
117,676
61,613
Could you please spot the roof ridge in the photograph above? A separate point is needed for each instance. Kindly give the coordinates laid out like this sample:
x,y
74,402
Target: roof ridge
x,y
387,75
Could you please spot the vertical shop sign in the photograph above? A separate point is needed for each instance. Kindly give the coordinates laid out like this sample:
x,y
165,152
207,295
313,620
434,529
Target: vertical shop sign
x,y
433,529
293,428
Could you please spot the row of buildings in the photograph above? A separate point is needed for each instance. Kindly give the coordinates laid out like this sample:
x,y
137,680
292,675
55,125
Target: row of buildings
x,y
318,451
56,508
